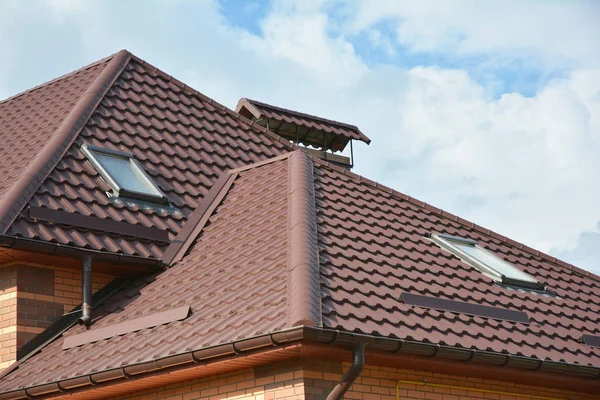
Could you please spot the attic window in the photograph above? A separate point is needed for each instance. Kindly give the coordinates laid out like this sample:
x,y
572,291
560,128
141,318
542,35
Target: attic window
x,y
486,262
124,174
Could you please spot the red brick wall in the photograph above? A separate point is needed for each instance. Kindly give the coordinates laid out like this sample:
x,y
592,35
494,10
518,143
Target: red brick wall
x,y
32,297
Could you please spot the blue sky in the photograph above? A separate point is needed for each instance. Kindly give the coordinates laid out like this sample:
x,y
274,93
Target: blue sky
x,y
490,110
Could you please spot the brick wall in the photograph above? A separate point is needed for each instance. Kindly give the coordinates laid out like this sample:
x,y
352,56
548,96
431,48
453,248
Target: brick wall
x,y
379,383
32,297
281,382
313,380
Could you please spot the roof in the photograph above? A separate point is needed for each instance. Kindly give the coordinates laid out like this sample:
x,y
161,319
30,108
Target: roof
x,y
30,119
183,139
295,241
313,130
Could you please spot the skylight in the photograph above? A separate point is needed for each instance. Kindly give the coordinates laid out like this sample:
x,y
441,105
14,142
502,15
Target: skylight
x,y
124,174
489,264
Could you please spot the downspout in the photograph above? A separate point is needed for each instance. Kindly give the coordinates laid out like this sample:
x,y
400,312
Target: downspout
x,y
358,363
86,288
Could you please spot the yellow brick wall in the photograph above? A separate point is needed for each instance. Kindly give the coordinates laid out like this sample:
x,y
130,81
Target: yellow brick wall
x,y
379,383
32,297
313,380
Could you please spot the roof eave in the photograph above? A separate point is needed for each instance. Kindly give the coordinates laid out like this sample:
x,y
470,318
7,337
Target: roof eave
x,y
309,334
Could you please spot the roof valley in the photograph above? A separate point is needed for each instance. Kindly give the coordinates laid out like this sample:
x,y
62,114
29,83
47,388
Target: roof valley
x,y
19,194
304,303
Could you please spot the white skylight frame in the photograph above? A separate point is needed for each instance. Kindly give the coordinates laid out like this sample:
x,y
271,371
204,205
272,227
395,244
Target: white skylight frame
x,y
153,194
517,277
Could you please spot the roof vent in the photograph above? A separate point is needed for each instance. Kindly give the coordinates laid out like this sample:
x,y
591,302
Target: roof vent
x,y
321,137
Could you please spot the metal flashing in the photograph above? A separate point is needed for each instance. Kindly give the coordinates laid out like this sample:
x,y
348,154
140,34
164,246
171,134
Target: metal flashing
x,y
465,308
197,219
149,321
590,340
100,224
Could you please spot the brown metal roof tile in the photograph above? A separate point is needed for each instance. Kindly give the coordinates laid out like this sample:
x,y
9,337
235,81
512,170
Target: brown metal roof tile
x,y
338,133
242,269
182,156
362,279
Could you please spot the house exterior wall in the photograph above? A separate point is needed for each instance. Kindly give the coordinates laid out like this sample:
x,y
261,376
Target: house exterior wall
x,y
32,297
314,380
280,382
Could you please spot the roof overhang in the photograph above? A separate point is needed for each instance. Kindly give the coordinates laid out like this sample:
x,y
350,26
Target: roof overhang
x,y
14,249
322,343
299,133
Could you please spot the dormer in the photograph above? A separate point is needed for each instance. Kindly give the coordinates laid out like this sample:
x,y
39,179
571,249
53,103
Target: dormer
x,y
321,137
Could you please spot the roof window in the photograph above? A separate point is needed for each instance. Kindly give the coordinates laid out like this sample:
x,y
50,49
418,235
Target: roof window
x,y
486,262
124,174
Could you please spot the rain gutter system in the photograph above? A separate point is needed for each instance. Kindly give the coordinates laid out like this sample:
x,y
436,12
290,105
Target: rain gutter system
x,y
358,357
60,250
303,333
86,289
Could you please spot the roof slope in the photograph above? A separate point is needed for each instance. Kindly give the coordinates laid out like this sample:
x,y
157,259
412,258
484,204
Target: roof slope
x,y
373,247
183,139
296,241
29,120
234,280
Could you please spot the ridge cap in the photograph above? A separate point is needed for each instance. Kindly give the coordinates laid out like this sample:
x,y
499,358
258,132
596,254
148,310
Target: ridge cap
x,y
304,292
44,162
459,220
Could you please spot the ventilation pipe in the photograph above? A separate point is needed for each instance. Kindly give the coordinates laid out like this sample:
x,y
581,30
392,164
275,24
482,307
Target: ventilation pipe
x,y
86,288
358,363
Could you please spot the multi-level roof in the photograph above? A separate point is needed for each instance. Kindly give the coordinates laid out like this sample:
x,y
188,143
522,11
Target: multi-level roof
x,y
274,247
182,139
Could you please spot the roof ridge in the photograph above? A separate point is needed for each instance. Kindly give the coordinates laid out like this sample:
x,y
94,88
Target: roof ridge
x,y
457,219
45,161
331,121
304,301
60,78
188,89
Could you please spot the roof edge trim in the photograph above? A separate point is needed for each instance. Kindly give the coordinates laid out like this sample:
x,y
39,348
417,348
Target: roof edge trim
x,y
33,176
284,337
459,220
198,218
304,304
63,250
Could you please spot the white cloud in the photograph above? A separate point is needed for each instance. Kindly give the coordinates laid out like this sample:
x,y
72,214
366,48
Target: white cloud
x,y
553,31
586,253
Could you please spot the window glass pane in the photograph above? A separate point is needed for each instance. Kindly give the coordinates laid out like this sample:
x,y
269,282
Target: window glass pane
x,y
493,262
125,173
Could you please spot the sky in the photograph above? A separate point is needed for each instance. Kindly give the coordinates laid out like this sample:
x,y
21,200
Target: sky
x,y
489,110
